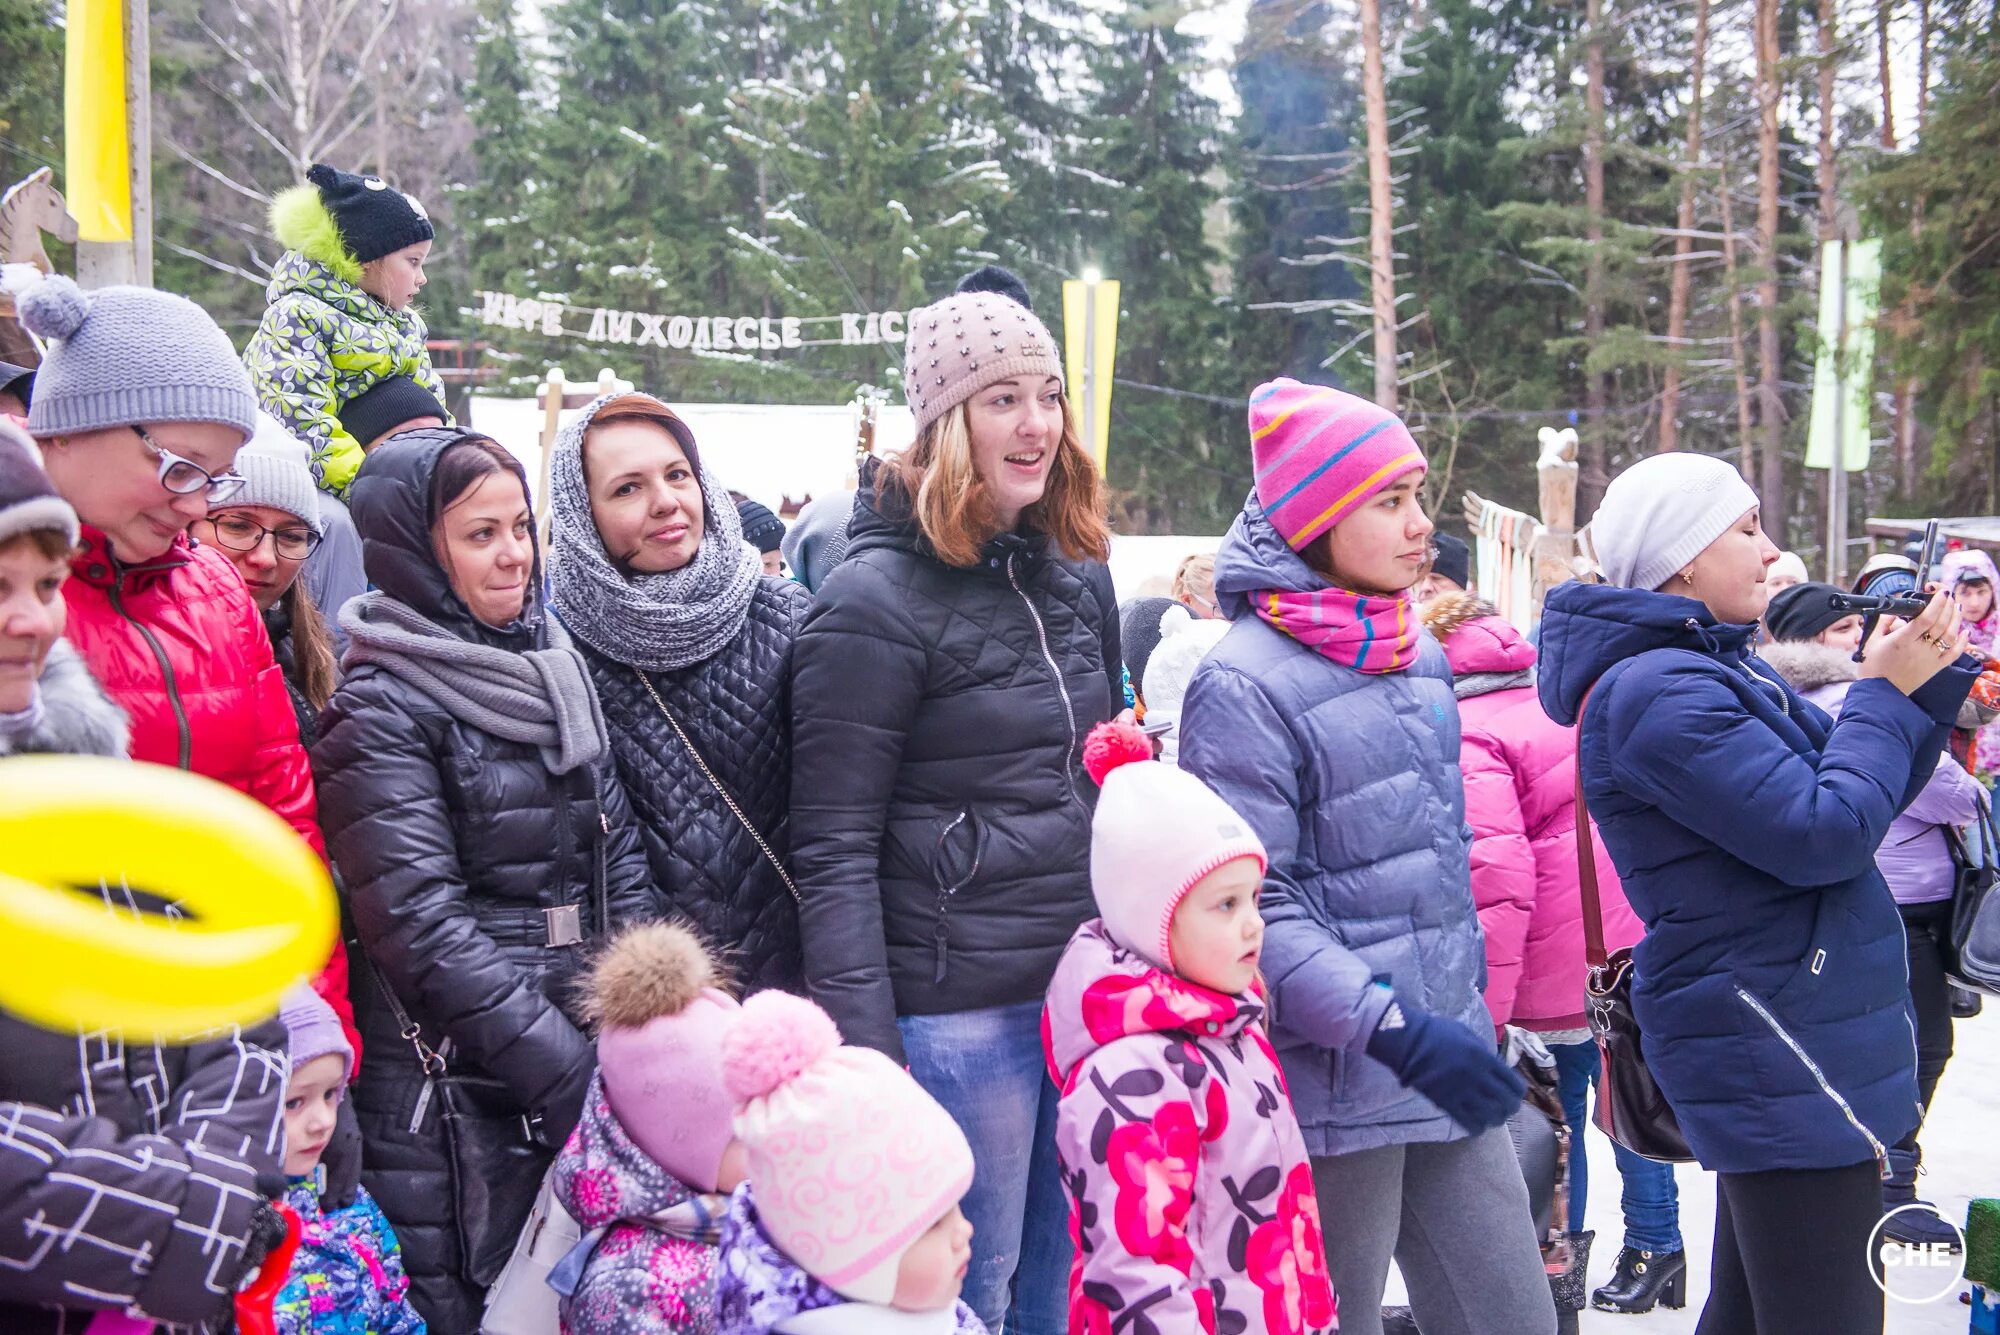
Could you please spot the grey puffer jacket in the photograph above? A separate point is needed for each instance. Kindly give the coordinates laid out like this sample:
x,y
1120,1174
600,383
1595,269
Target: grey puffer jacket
x,y
128,1171
736,708
940,810
1351,779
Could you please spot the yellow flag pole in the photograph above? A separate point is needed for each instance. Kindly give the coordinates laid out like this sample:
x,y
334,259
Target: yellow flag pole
x,y
1090,349
97,142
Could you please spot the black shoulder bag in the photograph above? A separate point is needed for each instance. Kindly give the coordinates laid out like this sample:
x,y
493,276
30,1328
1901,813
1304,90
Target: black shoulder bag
x,y
1972,947
1631,1109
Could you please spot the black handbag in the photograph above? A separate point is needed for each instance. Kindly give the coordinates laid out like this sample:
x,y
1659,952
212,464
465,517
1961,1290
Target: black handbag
x,y
1631,1109
494,1152
1972,946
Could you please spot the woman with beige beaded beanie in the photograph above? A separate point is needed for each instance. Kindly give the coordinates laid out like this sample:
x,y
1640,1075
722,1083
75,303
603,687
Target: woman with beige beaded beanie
x,y
941,691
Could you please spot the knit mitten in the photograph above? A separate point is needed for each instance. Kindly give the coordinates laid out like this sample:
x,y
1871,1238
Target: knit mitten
x,y
1448,1064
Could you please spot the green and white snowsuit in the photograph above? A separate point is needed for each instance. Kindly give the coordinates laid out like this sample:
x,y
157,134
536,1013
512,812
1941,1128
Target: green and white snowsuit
x,y
322,342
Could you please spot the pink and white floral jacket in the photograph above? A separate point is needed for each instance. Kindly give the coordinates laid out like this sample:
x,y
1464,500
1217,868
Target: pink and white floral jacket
x,y
1191,1200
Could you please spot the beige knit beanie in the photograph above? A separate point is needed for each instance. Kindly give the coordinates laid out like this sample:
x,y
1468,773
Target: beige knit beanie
x,y
966,342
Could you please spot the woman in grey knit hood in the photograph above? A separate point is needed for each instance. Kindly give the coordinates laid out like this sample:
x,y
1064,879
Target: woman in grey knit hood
x,y
690,646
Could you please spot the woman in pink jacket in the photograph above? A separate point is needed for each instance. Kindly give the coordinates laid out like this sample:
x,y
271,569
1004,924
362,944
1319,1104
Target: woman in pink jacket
x,y
1520,799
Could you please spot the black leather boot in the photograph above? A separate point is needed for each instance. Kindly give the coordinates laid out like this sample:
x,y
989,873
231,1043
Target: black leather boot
x,y
1919,1227
1644,1279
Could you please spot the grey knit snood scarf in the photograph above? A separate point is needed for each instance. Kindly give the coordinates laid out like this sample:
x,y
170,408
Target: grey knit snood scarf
x,y
654,622
539,696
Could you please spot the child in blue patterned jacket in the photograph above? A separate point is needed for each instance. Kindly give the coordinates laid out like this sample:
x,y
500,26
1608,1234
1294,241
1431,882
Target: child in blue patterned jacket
x,y
347,1276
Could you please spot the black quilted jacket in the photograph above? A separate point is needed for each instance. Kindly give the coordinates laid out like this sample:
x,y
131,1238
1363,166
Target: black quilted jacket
x,y
452,842
940,810
736,708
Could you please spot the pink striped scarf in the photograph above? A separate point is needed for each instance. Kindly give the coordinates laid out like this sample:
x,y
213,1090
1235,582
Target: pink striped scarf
x,y
1361,631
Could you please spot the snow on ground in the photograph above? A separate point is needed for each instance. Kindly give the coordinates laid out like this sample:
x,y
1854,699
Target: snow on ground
x,y
1962,1160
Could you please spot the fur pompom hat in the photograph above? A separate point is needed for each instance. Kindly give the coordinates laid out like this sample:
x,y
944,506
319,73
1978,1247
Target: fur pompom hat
x,y
1156,832
662,1018
851,1161
343,220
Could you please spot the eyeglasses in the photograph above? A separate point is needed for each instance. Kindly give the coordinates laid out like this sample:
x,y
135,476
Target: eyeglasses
x,y
239,534
185,477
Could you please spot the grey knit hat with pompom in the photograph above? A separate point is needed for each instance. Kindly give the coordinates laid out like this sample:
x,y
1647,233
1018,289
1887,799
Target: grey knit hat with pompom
x,y
122,356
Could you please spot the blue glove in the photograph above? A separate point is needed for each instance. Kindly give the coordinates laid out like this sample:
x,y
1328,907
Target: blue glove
x,y
1448,1064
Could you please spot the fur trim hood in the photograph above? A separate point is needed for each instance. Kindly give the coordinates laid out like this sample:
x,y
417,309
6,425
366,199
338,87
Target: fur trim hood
x,y
78,718
1809,666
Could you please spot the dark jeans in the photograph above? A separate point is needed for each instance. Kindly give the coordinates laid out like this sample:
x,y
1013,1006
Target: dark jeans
x,y
1791,1253
1651,1200
1925,927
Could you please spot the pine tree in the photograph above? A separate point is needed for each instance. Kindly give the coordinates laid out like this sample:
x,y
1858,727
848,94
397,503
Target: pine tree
x,y
31,98
1293,150
1177,465
1945,271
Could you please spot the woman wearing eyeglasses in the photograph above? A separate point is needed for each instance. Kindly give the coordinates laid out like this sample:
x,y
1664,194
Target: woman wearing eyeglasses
x,y
267,530
140,407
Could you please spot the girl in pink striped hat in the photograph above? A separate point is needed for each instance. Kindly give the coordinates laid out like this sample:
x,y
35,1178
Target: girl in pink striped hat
x,y
1326,719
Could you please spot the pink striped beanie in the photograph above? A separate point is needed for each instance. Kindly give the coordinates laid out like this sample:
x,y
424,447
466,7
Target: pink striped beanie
x,y
1320,453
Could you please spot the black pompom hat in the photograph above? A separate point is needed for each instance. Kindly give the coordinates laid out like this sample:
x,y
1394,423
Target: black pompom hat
x,y
374,218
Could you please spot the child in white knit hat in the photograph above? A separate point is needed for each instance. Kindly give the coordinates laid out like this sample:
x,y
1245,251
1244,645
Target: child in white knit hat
x,y
849,1224
1191,1194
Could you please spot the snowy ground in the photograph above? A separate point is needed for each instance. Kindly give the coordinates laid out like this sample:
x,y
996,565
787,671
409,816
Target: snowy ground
x,y
1962,1156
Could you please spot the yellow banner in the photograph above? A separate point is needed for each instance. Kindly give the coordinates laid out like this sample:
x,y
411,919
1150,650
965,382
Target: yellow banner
x,y
96,153
1090,347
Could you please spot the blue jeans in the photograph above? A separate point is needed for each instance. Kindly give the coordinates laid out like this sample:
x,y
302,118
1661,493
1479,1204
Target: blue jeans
x,y
1651,1201
986,1068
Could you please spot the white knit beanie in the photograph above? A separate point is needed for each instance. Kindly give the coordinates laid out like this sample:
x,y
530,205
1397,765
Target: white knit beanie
x,y
1157,830
277,471
1184,641
1660,514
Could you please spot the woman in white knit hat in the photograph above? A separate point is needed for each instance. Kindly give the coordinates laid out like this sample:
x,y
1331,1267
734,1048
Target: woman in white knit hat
x,y
267,530
1771,980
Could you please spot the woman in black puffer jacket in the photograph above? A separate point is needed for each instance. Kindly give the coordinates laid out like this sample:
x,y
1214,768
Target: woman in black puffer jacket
x,y
942,688
670,608
468,795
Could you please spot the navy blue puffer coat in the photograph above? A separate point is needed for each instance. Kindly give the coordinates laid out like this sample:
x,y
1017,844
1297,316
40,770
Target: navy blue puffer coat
x,y
1771,984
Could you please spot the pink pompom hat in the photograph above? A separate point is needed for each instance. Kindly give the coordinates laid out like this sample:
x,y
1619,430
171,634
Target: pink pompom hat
x,y
851,1161
1158,830
659,1048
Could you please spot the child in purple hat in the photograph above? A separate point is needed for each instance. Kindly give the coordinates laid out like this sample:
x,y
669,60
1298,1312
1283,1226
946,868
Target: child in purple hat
x,y
347,1276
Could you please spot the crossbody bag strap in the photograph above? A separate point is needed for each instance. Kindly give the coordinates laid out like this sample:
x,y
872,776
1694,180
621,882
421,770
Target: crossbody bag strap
x,y
728,799
407,1029
1586,857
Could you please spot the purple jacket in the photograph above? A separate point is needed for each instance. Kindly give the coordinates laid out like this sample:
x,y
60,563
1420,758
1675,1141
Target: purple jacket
x,y
639,1280
1914,858
1191,1197
1520,800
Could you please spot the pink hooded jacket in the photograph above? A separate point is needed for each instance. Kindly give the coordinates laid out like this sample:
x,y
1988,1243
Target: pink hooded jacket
x,y
1520,799
1191,1197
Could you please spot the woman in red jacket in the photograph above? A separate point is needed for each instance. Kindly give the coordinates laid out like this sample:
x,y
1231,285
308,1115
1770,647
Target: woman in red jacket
x,y
140,407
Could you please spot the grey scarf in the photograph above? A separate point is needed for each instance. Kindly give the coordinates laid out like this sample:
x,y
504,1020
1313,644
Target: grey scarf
x,y
1482,683
541,696
654,622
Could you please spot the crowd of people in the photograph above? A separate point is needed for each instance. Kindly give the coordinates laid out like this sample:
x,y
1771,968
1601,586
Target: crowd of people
x,y
925,942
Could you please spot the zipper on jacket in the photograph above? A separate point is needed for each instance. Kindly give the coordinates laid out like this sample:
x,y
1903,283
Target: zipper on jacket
x,y
166,671
941,935
1062,687
1826,1086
